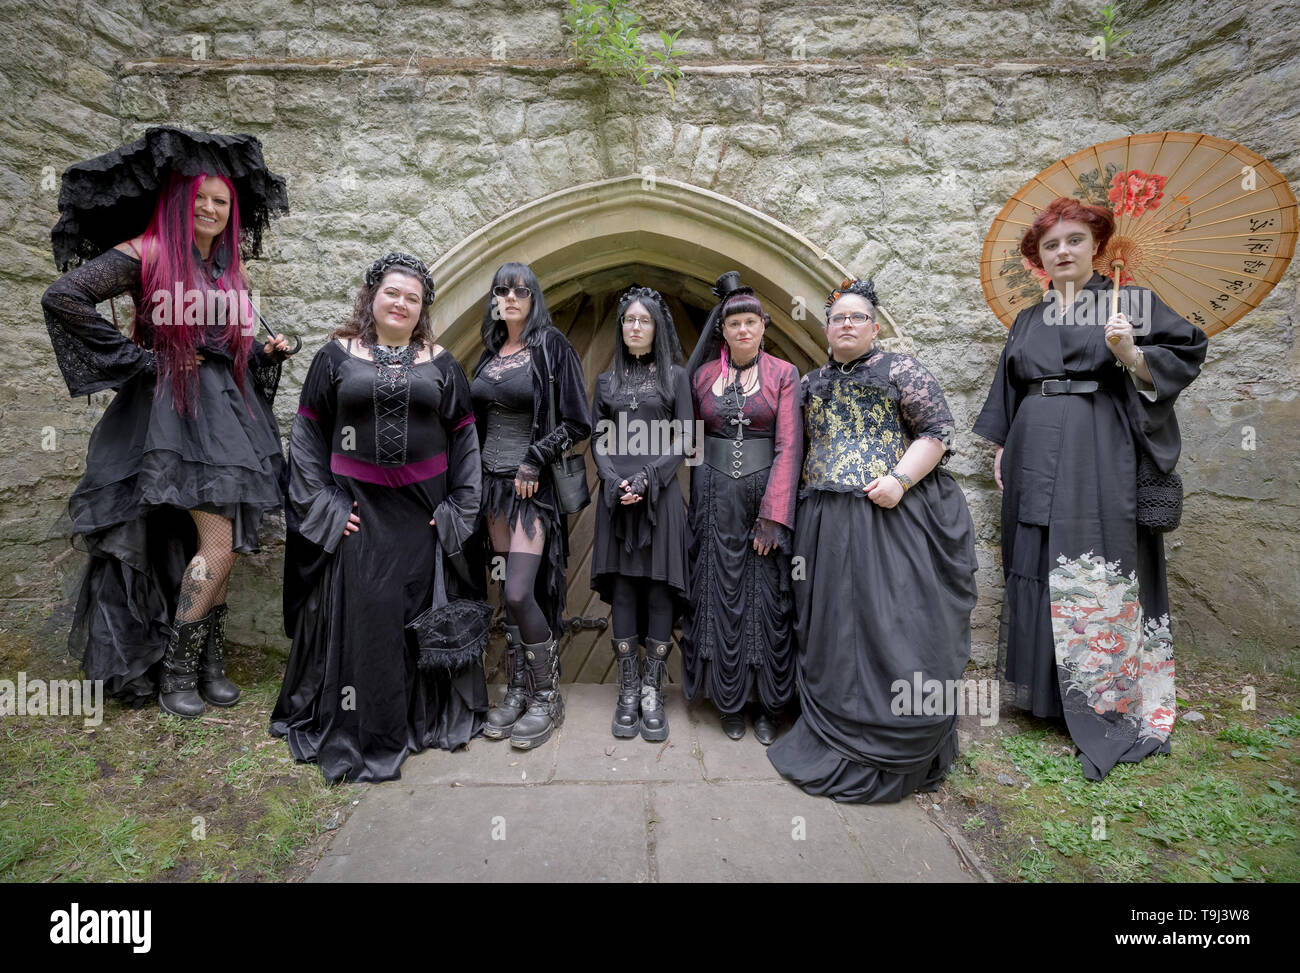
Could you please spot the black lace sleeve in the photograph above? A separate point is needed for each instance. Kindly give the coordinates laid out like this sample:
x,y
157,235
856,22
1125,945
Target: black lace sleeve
x,y
921,403
92,354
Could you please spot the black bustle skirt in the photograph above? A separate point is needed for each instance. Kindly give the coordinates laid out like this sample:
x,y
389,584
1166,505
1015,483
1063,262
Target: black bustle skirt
x,y
737,644
882,595
146,466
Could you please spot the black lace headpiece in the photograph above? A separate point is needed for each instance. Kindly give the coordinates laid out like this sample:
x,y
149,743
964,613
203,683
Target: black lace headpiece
x,y
403,261
854,285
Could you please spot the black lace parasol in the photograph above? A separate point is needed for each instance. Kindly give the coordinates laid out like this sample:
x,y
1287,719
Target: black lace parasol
x,y
110,198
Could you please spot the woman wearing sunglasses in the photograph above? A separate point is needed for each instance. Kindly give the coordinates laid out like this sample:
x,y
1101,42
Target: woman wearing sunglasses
x,y
523,353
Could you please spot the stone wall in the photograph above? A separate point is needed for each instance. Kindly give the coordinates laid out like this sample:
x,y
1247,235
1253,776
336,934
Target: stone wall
x,y
889,135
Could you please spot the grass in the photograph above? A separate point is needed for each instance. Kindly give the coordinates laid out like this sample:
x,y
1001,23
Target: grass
x,y
145,796
1222,807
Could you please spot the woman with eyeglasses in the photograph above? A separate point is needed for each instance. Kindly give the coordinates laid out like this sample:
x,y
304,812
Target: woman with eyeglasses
x,y
524,357
737,649
883,605
644,423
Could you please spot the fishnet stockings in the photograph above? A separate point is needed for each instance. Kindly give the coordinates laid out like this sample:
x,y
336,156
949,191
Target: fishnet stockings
x,y
204,584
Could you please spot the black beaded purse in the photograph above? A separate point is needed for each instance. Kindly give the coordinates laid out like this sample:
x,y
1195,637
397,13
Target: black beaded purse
x,y
450,634
1159,496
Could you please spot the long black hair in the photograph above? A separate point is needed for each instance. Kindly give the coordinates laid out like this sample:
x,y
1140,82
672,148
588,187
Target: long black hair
x,y
493,330
664,352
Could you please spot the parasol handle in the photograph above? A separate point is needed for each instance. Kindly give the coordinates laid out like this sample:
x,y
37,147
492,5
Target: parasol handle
x,y
297,339
1116,266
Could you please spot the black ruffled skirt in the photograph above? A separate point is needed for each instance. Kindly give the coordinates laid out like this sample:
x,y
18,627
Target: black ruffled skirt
x,y
499,499
146,467
737,643
886,596
627,543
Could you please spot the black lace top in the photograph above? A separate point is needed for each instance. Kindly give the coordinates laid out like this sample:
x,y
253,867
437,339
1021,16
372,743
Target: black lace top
x,y
92,353
859,419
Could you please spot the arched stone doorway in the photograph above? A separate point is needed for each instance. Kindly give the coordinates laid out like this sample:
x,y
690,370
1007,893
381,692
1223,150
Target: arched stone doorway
x,y
587,244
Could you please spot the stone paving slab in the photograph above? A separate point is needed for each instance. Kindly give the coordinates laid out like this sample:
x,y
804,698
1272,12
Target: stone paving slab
x,y
589,751
751,832
587,807
538,833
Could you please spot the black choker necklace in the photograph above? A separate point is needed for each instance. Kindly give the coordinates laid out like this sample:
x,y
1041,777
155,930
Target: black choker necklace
x,y
745,367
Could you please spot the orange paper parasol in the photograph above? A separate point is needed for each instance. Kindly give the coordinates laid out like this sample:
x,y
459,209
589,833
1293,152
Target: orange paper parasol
x,y
1205,223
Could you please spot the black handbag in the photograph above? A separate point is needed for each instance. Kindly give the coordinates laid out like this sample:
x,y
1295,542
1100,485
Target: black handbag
x,y
450,634
1159,496
569,472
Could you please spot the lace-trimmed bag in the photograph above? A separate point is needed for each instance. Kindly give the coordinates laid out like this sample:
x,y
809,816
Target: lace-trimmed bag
x,y
450,634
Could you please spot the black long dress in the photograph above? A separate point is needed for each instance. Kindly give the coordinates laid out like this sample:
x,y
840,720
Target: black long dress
x,y
147,465
884,604
399,442
1085,629
637,432
737,643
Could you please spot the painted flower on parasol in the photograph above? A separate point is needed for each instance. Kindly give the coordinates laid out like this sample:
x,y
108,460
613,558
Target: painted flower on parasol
x,y
1207,224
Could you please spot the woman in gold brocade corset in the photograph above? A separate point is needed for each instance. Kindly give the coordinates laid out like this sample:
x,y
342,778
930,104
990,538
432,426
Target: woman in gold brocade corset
x,y
887,585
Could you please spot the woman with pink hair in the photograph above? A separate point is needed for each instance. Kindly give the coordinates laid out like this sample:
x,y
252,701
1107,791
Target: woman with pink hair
x,y
186,459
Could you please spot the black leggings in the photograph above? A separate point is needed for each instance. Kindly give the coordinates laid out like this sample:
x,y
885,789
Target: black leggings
x,y
638,599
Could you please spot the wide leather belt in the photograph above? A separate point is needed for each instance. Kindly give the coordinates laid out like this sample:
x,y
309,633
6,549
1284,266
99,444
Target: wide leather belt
x,y
737,457
1064,386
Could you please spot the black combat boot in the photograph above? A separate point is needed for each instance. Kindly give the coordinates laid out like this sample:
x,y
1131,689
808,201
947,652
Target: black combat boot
x,y
501,719
545,710
627,714
214,687
654,718
180,670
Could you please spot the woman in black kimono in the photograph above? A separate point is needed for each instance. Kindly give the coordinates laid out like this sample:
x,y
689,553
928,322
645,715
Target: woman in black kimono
x,y
186,460
1079,396
888,585
736,645
524,358
644,423
383,453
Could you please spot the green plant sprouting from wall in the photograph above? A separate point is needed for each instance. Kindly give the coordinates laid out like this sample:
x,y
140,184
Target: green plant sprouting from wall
x,y
1108,27
606,39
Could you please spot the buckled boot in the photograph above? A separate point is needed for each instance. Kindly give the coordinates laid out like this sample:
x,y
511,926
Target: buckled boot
x,y
214,687
627,713
180,670
545,710
500,720
654,718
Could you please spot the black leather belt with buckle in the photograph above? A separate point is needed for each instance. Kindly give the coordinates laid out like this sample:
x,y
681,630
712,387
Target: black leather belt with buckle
x,y
737,457
1064,386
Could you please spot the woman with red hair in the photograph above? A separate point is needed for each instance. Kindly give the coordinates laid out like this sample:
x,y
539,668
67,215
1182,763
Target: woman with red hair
x,y
1082,401
186,459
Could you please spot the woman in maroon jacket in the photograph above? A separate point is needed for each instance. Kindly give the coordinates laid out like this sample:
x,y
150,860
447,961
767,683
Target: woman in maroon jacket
x,y
736,644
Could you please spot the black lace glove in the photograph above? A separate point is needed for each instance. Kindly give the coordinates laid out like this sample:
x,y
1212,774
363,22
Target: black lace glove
x,y
770,533
528,473
638,483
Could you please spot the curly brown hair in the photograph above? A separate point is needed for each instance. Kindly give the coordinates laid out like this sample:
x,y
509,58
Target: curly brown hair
x,y
361,322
